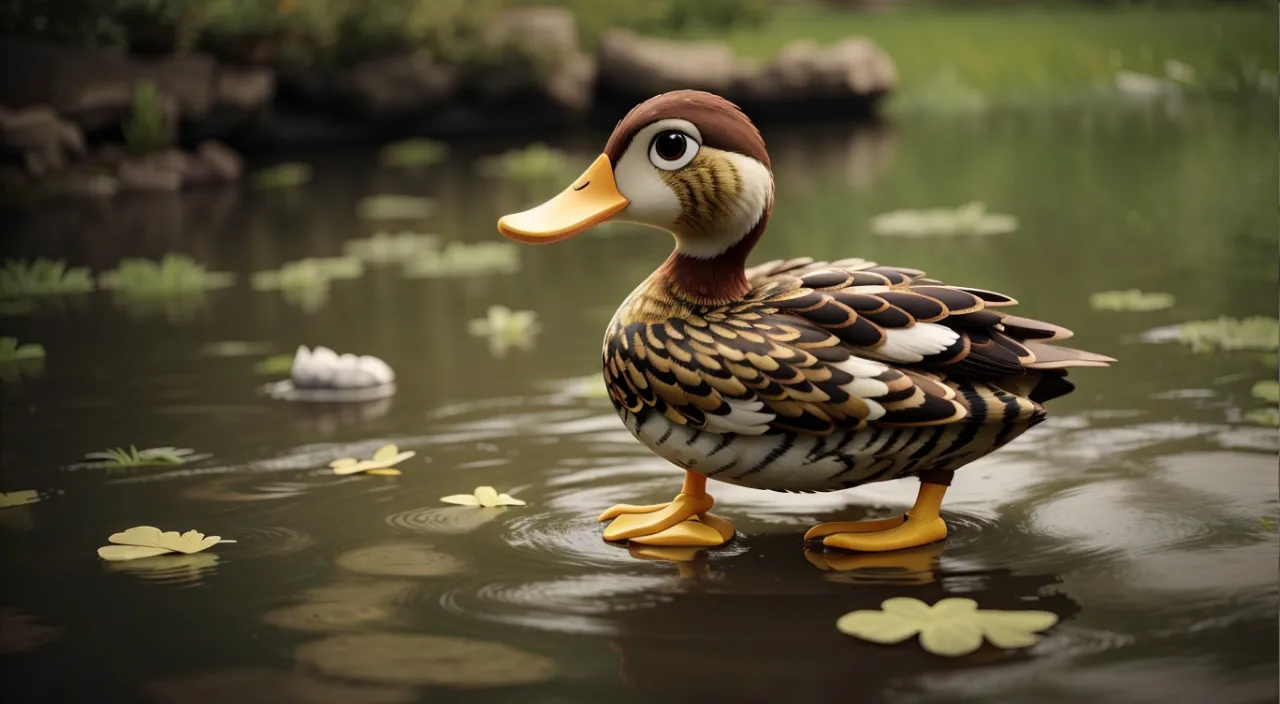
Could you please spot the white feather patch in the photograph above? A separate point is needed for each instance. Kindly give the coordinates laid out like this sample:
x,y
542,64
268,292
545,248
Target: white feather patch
x,y
914,343
744,418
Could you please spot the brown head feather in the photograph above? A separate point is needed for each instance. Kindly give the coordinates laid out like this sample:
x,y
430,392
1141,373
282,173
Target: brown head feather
x,y
722,124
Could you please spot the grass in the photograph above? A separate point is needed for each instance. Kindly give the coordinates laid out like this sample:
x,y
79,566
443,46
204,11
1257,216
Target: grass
x,y
133,457
1039,55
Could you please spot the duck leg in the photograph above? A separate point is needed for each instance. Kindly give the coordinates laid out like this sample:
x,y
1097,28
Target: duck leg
x,y
683,521
920,526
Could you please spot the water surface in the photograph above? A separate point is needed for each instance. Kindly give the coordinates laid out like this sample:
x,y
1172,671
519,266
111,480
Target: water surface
x,y
1142,513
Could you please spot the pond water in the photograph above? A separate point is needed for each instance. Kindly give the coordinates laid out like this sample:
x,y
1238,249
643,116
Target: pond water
x,y
1143,513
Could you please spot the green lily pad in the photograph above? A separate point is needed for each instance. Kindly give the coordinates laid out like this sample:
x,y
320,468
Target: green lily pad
x,y
411,153
1221,334
1132,300
285,175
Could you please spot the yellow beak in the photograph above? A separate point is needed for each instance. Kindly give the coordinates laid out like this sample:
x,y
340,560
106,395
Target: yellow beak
x,y
591,200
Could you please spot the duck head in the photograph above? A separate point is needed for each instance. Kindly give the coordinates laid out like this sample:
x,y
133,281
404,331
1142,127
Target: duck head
x,y
686,162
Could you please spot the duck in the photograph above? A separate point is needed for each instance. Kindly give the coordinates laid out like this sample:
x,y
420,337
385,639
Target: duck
x,y
795,375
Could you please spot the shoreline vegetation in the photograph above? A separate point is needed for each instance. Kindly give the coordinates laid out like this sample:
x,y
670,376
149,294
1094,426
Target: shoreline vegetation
x,y
147,94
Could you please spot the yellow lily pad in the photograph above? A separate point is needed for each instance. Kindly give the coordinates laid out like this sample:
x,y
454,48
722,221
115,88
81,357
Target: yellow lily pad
x,y
951,627
384,458
485,497
148,541
18,498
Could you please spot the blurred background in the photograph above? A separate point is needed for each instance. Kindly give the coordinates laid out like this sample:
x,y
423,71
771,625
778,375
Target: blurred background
x,y
191,189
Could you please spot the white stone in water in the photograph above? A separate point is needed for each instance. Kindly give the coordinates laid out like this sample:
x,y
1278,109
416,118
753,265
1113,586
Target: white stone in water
x,y
321,367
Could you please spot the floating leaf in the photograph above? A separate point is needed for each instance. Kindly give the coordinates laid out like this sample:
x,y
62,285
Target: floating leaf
x,y
484,496
1267,390
21,278
1267,417
413,152
275,365
395,207
18,498
1132,299
462,259
148,541
1229,334
534,162
285,175
133,457
506,329
175,274
11,351
951,627
968,219
305,282
392,248
386,457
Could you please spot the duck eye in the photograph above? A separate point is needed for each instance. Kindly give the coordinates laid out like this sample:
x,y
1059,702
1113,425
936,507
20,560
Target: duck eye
x,y
671,150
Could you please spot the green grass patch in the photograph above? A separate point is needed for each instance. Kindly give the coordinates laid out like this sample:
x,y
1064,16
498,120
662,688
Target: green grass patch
x,y
1039,55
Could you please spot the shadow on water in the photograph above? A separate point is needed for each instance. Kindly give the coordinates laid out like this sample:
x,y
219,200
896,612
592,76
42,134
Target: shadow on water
x,y
1139,513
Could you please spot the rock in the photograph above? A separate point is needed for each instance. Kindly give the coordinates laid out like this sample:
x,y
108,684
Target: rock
x,y
641,67
158,172
395,86
221,163
88,184
41,140
94,88
852,71
550,32
571,85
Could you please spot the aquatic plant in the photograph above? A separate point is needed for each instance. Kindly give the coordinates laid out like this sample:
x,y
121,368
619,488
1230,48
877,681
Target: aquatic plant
x,y
536,161
386,248
506,329
133,457
174,274
411,153
951,627
305,282
146,131
383,462
1133,300
9,499
148,541
274,365
462,259
1267,417
1267,390
1228,334
483,497
395,207
284,175
21,278
969,219
11,351
233,348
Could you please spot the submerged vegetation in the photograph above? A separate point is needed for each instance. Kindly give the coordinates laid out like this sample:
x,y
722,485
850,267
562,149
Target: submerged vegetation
x,y
22,278
1132,300
1226,334
285,175
305,282
968,219
463,259
395,207
17,361
173,275
391,248
533,162
412,153
506,329
119,457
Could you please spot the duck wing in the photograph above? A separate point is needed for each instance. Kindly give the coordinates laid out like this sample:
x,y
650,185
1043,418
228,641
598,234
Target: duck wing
x,y
820,347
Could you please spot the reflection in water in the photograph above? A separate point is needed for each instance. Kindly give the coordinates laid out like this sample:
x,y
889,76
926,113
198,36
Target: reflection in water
x,y
260,685
399,560
1134,513
172,570
21,632
405,659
